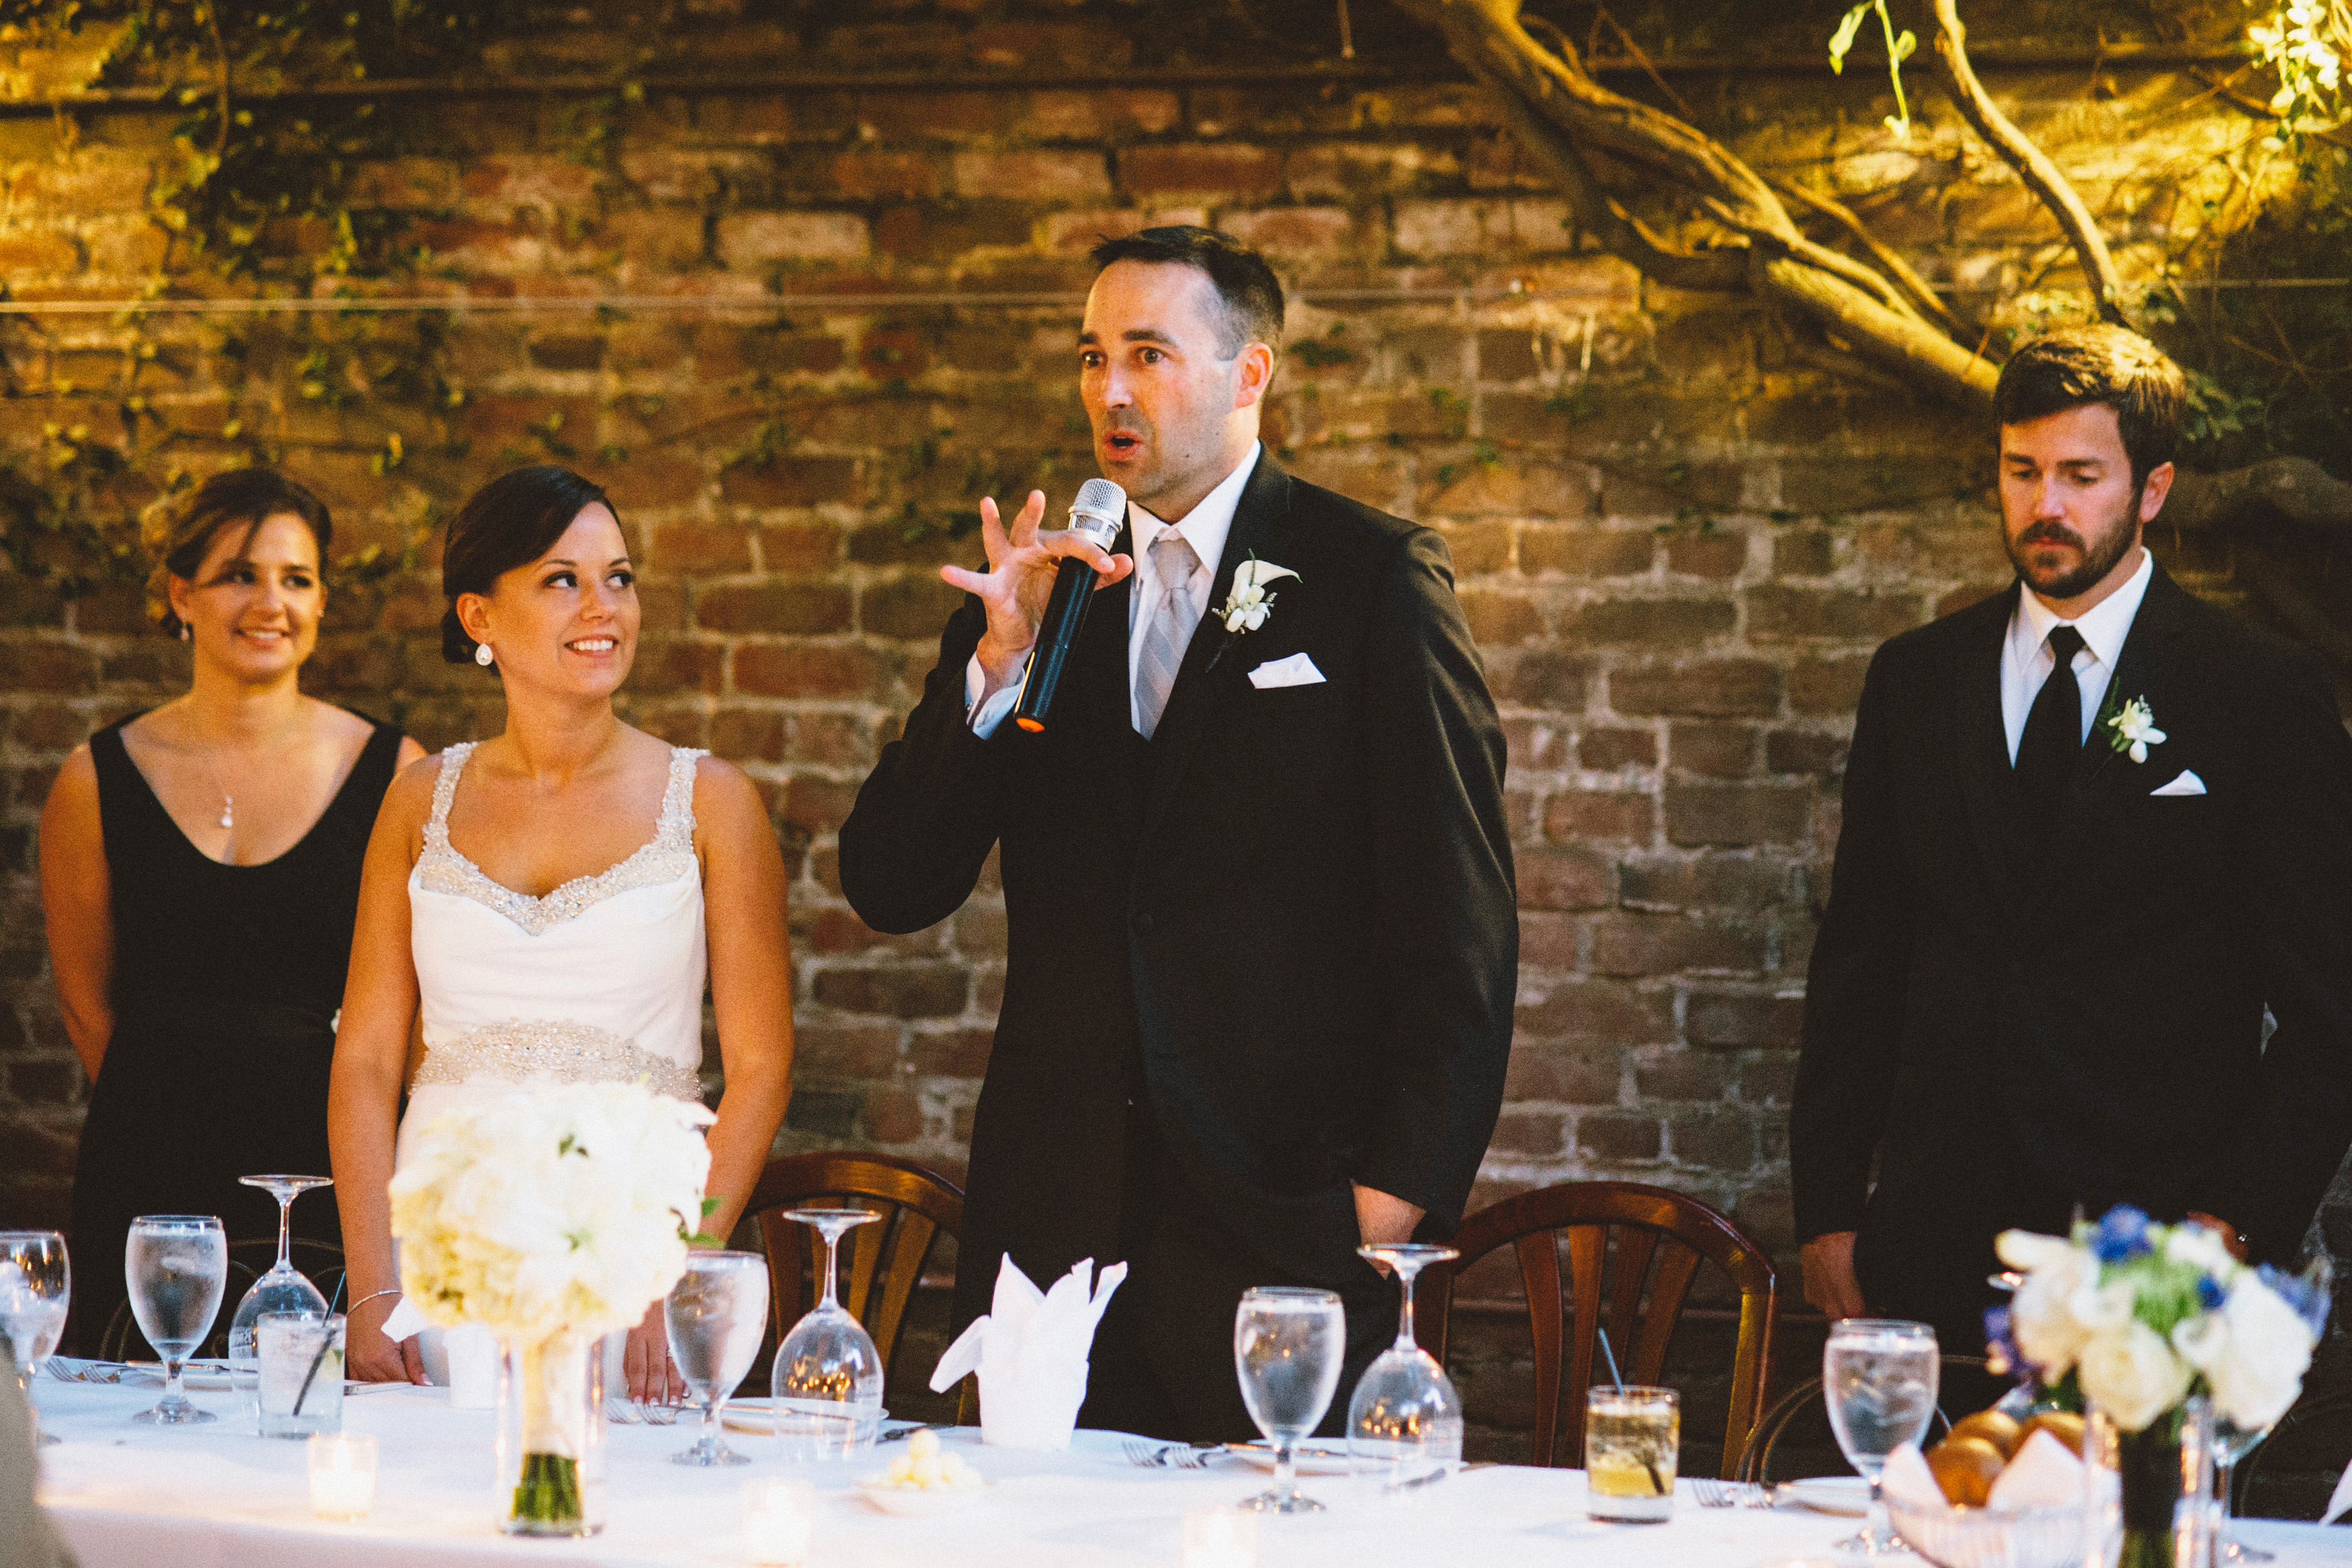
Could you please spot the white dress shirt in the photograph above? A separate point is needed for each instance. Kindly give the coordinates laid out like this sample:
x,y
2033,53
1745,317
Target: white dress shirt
x,y
1205,528
2026,658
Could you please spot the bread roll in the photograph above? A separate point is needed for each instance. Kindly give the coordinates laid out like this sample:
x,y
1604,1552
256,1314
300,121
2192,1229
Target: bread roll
x,y
1965,1468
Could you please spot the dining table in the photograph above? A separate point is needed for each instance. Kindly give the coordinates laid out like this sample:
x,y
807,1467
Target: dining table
x,y
124,1495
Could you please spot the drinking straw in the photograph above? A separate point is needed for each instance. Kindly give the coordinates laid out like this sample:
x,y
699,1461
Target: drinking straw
x,y
327,1342
1657,1482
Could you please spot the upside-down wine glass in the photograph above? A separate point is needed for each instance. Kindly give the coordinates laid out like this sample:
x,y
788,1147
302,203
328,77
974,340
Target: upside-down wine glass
x,y
1405,1422
1287,1347
827,1379
36,1283
283,1289
715,1314
1879,1378
175,1265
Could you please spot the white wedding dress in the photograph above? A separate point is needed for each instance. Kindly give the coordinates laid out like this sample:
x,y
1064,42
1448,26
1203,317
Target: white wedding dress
x,y
599,980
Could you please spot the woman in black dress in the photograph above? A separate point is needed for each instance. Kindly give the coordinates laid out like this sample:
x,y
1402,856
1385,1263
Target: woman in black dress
x,y
200,868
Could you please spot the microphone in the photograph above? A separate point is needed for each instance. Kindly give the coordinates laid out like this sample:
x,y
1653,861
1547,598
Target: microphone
x,y
1097,515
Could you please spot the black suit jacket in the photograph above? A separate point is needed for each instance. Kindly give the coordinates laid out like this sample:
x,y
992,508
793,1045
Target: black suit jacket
x,y
1287,923
2012,1038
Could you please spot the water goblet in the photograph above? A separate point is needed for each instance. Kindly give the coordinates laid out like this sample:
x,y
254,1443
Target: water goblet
x,y
2232,1443
827,1379
1405,1422
36,1283
176,1266
1879,1377
282,1288
1287,1347
715,1314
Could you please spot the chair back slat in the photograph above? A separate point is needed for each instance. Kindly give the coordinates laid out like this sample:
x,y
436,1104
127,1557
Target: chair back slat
x,y
1669,1288
1588,1250
1540,1266
1646,1244
879,1263
1634,1245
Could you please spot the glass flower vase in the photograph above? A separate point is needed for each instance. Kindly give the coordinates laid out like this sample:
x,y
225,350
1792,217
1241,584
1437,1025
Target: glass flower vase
x,y
552,1435
2145,1507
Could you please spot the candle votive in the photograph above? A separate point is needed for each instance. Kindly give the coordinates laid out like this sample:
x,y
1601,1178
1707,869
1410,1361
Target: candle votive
x,y
343,1477
779,1520
1220,1538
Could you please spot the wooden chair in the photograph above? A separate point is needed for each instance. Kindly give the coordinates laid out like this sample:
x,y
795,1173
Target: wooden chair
x,y
322,1261
1648,1225
879,1262
1805,1401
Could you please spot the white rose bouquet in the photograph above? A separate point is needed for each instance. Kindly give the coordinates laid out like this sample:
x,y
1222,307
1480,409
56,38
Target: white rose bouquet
x,y
551,1217
2140,1316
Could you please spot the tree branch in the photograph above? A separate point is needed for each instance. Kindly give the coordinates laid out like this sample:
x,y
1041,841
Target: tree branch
x,y
2041,176
1922,295
2294,490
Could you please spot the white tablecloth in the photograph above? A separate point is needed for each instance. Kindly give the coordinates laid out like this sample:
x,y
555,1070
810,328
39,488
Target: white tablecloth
x,y
126,1496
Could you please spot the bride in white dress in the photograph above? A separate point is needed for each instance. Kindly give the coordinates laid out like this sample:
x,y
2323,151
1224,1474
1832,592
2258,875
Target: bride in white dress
x,y
546,904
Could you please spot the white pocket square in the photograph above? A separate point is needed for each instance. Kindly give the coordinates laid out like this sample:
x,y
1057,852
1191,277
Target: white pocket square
x,y
1296,670
2186,783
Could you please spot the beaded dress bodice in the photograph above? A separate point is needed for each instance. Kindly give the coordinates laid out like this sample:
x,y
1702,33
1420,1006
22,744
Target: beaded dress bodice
x,y
598,981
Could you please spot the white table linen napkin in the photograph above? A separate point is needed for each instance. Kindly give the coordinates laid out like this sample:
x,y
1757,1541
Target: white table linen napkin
x,y
2043,1474
1031,1351
463,1360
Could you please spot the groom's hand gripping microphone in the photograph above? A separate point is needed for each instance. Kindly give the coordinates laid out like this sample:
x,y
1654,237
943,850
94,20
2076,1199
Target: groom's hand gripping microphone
x,y
1017,589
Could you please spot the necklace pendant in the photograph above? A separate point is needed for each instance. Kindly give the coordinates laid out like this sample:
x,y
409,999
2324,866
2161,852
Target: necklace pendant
x,y
229,812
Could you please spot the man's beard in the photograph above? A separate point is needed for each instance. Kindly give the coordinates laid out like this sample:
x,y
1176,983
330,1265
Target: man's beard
x,y
2099,558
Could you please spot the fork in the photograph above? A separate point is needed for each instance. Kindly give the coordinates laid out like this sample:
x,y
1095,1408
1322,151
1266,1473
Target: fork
x,y
1712,1493
1164,1456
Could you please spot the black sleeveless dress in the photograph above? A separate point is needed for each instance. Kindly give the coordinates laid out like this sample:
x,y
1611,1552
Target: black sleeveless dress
x,y
226,983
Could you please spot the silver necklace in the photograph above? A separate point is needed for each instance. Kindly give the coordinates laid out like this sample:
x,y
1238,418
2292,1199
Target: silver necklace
x,y
228,801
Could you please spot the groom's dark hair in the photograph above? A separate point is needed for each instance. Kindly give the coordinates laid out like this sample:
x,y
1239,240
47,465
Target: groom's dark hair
x,y
1248,288
2073,367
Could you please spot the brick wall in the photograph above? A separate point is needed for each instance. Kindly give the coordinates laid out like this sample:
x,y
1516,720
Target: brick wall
x,y
1677,542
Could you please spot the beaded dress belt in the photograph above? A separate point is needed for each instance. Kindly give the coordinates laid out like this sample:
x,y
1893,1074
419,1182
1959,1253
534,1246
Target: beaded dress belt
x,y
559,1050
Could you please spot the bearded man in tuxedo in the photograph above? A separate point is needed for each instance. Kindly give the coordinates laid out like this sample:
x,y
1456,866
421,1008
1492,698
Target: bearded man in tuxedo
x,y
2093,829
1263,931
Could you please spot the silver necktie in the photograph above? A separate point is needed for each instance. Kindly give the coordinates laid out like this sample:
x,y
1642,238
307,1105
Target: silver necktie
x,y
1170,628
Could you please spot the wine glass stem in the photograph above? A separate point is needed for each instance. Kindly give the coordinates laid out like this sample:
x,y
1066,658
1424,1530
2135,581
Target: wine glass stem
x,y
2221,1470
174,1365
1878,1527
831,1244
709,1444
1405,1276
285,1212
1285,1467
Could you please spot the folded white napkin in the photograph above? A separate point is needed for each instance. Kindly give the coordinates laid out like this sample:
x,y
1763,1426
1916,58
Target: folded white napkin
x,y
2043,1474
465,1360
1908,1480
2186,783
2339,1500
1031,1353
1296,670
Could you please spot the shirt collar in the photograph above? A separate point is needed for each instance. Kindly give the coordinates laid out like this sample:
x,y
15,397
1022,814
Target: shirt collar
x,y
1205,526
2104,625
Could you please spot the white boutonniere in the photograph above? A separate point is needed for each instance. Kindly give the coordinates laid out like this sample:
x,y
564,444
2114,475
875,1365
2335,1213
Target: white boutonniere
x,y
2134,727
1247,606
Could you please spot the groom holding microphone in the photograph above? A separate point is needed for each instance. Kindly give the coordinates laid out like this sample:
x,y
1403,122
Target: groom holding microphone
x,y
1249,789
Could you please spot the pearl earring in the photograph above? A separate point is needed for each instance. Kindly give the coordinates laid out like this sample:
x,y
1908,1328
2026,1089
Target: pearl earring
x,y
482,654
185,634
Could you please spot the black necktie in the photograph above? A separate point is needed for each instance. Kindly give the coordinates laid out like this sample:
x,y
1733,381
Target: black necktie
x,y
2052,741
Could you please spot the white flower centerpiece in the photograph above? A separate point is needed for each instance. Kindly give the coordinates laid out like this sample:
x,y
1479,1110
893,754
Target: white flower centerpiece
x,y
2143,1323
552,1217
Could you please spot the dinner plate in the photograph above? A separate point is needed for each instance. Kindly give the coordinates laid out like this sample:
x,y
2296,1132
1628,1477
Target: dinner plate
x,y
1326,1457
1830,1494
209,1376
919,1502
754,1414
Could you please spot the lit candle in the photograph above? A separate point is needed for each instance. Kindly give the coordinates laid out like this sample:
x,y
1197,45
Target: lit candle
x,y
343,1477
779,1517
1220,1538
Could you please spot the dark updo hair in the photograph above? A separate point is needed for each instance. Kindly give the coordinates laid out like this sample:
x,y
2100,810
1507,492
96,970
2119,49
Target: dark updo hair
x,y
511,522
179,534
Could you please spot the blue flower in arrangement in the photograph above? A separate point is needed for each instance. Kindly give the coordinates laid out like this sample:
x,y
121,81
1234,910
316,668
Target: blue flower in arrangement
x,y
2209,1293
2121,1237
2308,1294
2001,1354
